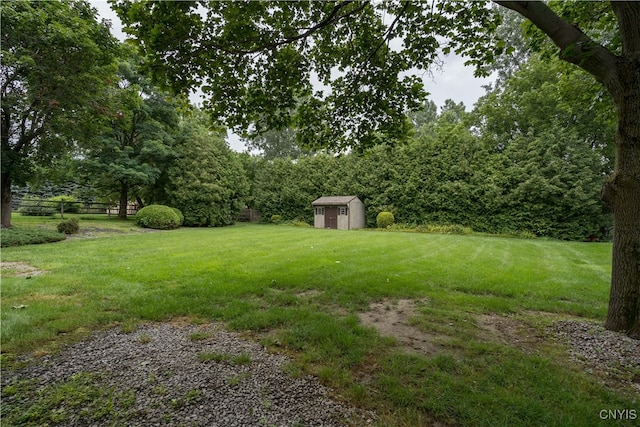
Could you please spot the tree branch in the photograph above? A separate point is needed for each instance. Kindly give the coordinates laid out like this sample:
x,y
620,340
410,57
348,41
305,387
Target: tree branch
x,y
575,46
385,38
333,16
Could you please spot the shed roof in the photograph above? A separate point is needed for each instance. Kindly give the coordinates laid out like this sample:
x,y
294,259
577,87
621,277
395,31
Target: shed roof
x,y
333,200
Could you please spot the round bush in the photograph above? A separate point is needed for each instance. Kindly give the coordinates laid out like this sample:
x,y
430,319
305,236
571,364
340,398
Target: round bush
x,y
179,213
71,226
385,219
159,217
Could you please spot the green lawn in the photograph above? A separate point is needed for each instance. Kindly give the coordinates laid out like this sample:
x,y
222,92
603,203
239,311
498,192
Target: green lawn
x,y
303,288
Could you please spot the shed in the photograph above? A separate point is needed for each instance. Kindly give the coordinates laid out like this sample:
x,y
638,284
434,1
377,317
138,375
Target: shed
x,y
338,212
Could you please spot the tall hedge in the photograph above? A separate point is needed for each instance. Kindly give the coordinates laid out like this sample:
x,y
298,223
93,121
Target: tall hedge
x,y
546,184
206,181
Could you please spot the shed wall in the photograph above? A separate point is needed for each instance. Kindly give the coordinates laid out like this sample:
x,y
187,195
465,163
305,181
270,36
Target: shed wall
x,y
356,214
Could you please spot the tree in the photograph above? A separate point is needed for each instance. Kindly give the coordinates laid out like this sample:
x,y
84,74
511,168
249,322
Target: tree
x,y
131,153
615,65
518,51
206,181
424,117
56,59
257,59
549,124
276,143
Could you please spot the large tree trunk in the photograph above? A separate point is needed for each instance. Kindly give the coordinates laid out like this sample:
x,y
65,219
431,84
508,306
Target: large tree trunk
x,y
622,193
124,201
620,74
5,202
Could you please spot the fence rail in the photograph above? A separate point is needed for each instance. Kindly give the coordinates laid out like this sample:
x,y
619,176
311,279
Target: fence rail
x,y
47,207
249,215
44,207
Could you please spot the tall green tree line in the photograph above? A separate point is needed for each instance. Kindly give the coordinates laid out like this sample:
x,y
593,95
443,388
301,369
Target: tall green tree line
x,y
474,169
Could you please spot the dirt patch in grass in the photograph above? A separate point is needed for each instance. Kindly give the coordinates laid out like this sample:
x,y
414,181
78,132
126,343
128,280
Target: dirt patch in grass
x,y
91,232
19,269
393,319
612,357
510,331
396,318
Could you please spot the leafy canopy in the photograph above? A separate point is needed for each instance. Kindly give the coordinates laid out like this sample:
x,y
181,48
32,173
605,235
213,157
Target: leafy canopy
x,y
261,64
56,58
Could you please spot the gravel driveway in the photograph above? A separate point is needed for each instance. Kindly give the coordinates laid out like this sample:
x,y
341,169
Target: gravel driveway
x,y
167,374
190,376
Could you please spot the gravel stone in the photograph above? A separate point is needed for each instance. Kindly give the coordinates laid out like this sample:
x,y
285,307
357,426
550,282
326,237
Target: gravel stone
x,y
160,365
612,353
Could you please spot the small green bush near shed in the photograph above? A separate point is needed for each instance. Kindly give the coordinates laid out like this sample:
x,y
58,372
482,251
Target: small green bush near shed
x,y
385,219
160,217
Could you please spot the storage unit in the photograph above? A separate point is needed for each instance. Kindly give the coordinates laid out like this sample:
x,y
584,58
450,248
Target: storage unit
x,y
338,212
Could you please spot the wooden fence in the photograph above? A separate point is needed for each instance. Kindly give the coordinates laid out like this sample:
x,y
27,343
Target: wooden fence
x,y
44,207
249,215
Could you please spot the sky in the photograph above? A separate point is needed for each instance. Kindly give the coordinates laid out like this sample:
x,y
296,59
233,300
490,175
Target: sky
x,y
453,81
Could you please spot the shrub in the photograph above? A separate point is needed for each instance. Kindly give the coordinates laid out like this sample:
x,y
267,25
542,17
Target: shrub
x,y
299,223
206,181
35,206
179,213
69,203
69,227
402,227
525,234
158,217
385,219
18,236
445,229
276,219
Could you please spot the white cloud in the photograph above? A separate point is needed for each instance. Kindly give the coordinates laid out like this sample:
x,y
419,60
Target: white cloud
x,y
455,81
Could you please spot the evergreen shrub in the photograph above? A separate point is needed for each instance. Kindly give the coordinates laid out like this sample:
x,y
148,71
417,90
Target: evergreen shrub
x,y
159,217
385,219
18,236
71,226
179,213
276,219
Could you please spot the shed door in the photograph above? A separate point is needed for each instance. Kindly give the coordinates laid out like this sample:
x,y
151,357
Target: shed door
x,y
331,217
